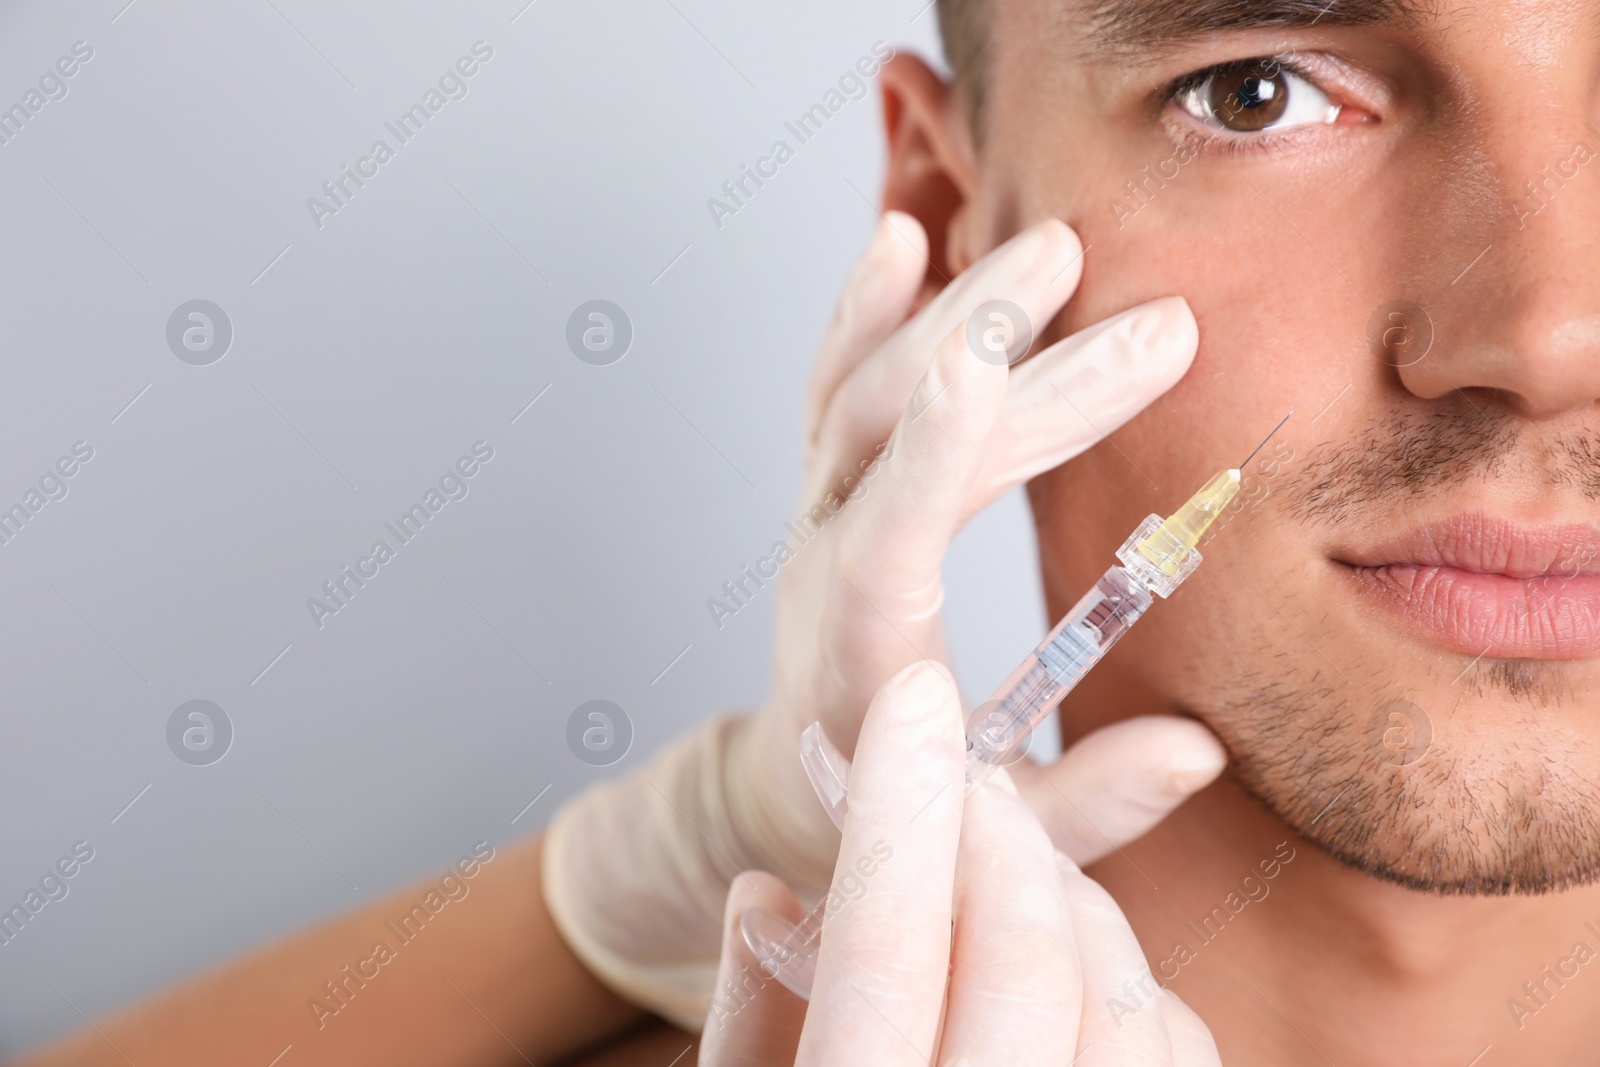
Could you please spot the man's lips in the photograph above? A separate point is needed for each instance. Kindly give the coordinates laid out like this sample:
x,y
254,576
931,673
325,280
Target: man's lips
x,y
1487,586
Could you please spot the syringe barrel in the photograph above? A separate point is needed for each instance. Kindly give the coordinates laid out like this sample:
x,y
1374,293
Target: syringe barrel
x,y
997,728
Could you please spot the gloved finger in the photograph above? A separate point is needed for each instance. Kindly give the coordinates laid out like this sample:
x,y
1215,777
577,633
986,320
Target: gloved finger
x,y
891,550
1015,989
1122,1020
1192,1043
1037,270
753,1020
1072,395
953,452
876,299
880,975
1115,784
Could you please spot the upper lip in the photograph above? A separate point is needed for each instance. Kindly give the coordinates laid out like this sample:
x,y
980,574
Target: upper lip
x,y
1483,544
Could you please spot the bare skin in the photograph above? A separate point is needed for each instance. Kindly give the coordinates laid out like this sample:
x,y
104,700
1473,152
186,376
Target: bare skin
x,y
1482,800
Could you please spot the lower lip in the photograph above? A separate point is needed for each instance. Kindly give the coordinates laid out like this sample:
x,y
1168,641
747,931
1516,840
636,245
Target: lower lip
x,y
1544,617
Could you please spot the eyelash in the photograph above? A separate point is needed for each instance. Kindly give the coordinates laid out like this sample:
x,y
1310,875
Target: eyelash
x,y
1232,143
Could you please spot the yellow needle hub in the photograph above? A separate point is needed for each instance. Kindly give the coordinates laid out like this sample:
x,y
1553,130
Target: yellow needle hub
x,y
1170,543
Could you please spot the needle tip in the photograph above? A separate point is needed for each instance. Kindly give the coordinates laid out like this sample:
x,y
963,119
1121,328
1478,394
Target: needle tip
x,y
1264,441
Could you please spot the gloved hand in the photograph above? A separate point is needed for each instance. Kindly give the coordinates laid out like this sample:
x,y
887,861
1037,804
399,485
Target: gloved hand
x,y
955,933
908,434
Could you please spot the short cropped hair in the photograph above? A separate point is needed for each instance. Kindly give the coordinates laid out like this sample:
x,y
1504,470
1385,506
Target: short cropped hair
x,y
963,27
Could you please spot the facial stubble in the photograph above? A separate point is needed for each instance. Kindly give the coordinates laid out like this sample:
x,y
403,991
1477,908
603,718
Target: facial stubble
x,y
1471,785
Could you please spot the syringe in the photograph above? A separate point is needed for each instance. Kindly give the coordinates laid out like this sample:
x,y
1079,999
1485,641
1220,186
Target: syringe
x,y
1154,561
1156,558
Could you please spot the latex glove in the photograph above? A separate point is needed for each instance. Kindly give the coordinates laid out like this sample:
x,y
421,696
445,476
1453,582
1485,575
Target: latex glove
x,y
903,417
862,599
960,935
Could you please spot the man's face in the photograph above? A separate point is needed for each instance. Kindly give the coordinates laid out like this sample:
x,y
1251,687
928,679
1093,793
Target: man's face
x,y
1399,638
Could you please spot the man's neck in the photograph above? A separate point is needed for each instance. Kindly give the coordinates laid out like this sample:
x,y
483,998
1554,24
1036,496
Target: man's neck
x,y
1291,957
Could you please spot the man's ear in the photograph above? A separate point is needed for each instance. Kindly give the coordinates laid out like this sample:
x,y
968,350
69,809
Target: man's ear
x,y
932,169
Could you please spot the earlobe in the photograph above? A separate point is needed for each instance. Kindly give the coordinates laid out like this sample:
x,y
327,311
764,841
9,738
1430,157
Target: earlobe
x,y
930,162
958,240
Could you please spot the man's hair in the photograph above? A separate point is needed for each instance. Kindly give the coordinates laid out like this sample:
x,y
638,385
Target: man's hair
x,y
964,30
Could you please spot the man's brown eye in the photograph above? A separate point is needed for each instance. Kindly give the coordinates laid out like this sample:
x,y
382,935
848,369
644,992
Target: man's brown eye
x,y
1254,96
1246,99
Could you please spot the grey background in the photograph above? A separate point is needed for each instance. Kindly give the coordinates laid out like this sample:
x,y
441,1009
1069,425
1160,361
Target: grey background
x,y
368,356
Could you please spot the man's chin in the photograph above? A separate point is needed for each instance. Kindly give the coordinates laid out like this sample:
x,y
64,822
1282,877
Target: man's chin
x,y
1433,829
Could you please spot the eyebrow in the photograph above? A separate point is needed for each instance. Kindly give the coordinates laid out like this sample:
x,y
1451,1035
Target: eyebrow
x,y
1149,25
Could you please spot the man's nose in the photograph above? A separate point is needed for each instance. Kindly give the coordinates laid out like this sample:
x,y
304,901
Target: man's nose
x,y
1522,320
